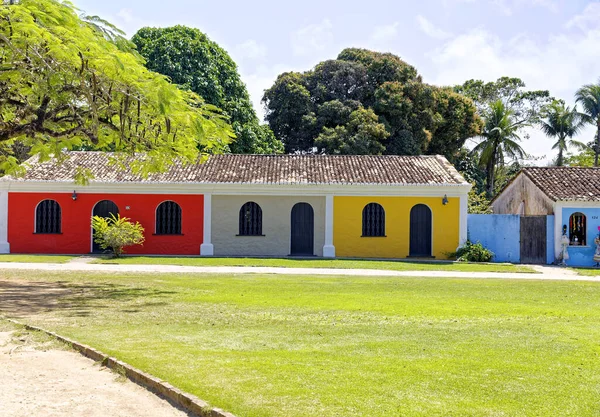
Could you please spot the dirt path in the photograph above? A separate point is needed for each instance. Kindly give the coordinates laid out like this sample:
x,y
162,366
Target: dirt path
x,y
552,273
40,379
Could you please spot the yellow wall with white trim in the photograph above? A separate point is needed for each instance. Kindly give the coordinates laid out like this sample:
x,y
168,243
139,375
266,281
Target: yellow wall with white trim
x,y
347,226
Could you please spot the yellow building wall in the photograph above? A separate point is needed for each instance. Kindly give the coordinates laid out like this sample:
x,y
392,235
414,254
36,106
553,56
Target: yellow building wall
x,y
347,226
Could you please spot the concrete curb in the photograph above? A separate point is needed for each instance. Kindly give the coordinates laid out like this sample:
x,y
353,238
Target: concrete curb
x,y
187,402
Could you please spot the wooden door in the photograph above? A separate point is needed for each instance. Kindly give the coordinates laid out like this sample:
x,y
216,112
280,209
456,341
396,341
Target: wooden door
x,y
420,231
303,230
104,209
533,239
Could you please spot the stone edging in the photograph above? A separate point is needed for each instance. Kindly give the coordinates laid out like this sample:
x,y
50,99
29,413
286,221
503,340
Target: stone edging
x,y
187,402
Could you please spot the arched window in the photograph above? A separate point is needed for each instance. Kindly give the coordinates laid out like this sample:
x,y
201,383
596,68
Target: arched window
x,y
577,229
373,220
168,218
48,217
250,220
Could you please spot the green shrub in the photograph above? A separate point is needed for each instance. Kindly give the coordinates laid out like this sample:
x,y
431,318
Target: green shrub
x,y
116,233
473,252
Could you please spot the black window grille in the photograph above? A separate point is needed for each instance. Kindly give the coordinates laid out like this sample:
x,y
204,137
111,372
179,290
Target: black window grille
x,y
250,220
168,218
48,217
578,229
373,220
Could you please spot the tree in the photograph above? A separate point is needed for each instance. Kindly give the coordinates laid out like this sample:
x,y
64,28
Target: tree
x,y
562,123
584,158
524,104
362,135
305,109
499,139
512,108
67,82
589,98
116,233
194,62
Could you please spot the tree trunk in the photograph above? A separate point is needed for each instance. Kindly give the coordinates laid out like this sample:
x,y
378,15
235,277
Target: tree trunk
x,y
559,160
490,171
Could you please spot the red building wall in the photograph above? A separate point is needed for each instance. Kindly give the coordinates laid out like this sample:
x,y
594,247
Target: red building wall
x,y
76,219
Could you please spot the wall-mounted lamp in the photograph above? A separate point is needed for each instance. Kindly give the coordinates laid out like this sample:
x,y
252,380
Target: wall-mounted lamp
x,y
564,229
445,200
74,196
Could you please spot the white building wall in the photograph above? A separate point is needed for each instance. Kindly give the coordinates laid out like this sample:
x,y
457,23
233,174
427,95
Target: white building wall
x,y
276,225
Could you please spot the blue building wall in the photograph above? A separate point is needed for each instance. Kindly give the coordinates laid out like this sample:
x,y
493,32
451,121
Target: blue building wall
x,y
500,233
583,255
550,239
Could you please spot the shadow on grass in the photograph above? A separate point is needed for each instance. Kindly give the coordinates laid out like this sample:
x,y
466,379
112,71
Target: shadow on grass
x,y
78,300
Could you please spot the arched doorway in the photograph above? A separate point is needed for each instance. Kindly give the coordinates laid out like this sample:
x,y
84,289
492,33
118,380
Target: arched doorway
x,y
103,208
303,230
420,231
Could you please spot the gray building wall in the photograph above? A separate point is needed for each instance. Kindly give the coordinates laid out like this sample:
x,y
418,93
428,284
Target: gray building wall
x,y
523,197
276,225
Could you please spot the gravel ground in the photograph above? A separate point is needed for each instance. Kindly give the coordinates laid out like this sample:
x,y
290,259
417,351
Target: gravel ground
x,y
47,380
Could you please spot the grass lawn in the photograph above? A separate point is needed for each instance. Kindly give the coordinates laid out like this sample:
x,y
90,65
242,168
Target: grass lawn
x,y
289,346
36,258
589,272
320,263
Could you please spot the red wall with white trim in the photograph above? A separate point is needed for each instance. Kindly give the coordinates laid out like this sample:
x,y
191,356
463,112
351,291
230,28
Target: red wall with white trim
x,y
76,219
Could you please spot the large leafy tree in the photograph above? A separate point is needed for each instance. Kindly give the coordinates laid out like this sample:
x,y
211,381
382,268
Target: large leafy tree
x,y
589,98
508,109
499,140
69,82
562,123
305,109
194,62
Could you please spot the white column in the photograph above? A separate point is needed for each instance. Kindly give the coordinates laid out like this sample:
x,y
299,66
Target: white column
x,y
464,210
558,230
4,246
207,248
328,248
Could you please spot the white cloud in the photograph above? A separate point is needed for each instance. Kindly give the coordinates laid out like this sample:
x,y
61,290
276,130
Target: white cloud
x,y
312,38
431,29
126,15
249,50
385,33
588,19
561,63
507,7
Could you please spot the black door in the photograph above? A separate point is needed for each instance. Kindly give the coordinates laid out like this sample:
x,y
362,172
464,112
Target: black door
x,y
303,230
420,231
103,208
533,239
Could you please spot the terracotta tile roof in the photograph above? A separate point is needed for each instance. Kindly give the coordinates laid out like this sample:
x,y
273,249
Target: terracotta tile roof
x,y
261,169
566,183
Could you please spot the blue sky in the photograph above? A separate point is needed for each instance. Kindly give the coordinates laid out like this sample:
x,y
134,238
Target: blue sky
x,y
550,44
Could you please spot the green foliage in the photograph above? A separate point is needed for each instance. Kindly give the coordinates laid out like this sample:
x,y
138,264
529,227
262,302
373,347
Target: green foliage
x,y
361,135
473,252
584,158
507,108
65,84
589,98
194,62
115,233
525,105
562,123
478,202
499,140
314,109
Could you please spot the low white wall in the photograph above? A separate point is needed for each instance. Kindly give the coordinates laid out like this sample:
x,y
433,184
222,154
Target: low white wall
x,y
276,225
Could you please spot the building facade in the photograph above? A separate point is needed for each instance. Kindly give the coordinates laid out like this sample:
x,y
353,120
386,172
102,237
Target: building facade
x,y
244,205
569,197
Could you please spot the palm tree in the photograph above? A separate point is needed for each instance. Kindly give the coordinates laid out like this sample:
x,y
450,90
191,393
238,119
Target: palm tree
x,y
499,140
562,122
589,97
